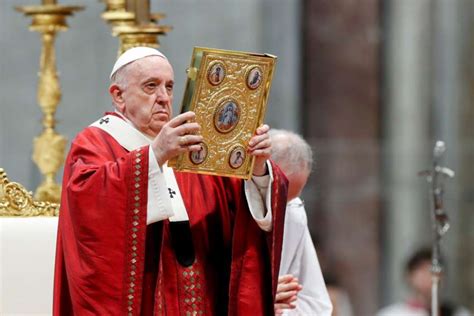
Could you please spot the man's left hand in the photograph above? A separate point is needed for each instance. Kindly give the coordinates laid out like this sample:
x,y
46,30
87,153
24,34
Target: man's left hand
x,y
260,146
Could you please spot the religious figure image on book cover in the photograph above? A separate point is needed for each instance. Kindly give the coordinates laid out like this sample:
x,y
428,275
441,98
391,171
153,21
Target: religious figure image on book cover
x,y
254,78
216,74
198,157
237,157
227,116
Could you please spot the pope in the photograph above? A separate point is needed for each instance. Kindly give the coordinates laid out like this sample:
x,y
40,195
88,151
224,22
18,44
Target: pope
x,y
137,238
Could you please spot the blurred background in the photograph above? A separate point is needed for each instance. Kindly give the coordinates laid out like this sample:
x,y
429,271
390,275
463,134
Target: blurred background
x,y
370,84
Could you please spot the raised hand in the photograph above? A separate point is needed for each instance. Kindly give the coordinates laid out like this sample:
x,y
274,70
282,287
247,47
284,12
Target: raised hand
x,y
177,136
260,146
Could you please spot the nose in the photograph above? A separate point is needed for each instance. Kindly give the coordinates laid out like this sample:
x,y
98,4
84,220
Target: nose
x,y
163,96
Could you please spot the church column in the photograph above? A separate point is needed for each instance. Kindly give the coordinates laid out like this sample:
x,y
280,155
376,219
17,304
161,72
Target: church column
x,y
464,267
284,40
406,135
341,121
458,25
447,104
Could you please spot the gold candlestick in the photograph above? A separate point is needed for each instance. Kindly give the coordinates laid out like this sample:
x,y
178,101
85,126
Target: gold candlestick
x,y
49,146
116,13
142,11
139,35
133,23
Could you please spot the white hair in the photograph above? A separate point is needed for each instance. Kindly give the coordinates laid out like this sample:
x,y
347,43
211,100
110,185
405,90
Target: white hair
x,y
120,76
290,151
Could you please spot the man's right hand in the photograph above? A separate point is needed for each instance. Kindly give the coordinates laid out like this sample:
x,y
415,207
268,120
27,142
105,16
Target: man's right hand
x,y
287,289
177,137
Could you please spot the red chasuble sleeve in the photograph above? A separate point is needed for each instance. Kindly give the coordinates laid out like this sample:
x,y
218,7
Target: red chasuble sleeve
x,y
102,226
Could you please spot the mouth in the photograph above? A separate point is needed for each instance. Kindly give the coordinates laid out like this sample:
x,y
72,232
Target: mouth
x,y
161,113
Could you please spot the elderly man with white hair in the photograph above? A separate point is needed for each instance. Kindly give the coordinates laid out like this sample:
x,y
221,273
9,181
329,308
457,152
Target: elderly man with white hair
x,y
301,288
137,238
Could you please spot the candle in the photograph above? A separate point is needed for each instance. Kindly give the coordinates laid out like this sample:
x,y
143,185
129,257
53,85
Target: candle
x,y
142,11
130,5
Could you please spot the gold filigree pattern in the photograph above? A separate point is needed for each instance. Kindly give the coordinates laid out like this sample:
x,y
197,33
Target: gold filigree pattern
x,y
209,96
15,200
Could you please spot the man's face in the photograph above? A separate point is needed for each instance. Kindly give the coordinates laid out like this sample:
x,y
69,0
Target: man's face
x,y
420,279
147,97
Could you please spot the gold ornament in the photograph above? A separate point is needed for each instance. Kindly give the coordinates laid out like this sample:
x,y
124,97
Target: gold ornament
x,y
228,91
133,23
15,200
49,147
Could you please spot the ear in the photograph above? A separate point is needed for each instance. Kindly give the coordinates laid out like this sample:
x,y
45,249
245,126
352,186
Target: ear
x,y
117,97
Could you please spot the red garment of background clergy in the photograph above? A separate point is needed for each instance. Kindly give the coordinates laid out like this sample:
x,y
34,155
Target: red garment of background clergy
x,y
109,262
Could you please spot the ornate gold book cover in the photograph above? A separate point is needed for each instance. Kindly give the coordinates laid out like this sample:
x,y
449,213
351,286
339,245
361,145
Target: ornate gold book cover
x,y
228,91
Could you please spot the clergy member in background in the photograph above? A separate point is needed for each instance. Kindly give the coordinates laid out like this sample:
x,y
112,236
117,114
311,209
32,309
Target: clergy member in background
x,y
301,288
137,238
419,281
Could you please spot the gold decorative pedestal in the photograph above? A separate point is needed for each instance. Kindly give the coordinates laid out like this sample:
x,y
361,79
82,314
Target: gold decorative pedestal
x,y
49,147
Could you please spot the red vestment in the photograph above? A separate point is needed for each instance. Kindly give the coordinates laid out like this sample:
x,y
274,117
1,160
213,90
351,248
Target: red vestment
x,y
110,262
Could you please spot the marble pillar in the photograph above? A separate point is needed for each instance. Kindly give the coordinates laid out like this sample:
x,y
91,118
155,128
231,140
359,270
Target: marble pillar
x,y
341,69
406,133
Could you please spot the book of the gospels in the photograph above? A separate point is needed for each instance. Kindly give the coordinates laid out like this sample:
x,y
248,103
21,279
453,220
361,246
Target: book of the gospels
x,y
228,91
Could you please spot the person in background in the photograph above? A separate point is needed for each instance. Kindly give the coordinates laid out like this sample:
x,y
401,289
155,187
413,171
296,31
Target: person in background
x,y
418,303
341,303
301,289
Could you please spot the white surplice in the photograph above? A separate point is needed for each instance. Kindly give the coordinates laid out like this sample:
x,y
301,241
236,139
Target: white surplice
x,y
299,259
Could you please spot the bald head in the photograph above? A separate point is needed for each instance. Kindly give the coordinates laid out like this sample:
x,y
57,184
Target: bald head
x,y
294,156
290,151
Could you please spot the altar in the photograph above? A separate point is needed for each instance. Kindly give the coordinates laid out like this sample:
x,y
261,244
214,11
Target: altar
x,y
27,251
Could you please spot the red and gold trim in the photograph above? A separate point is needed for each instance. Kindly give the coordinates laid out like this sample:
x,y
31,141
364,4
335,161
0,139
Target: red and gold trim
x,y
190,280
136,230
